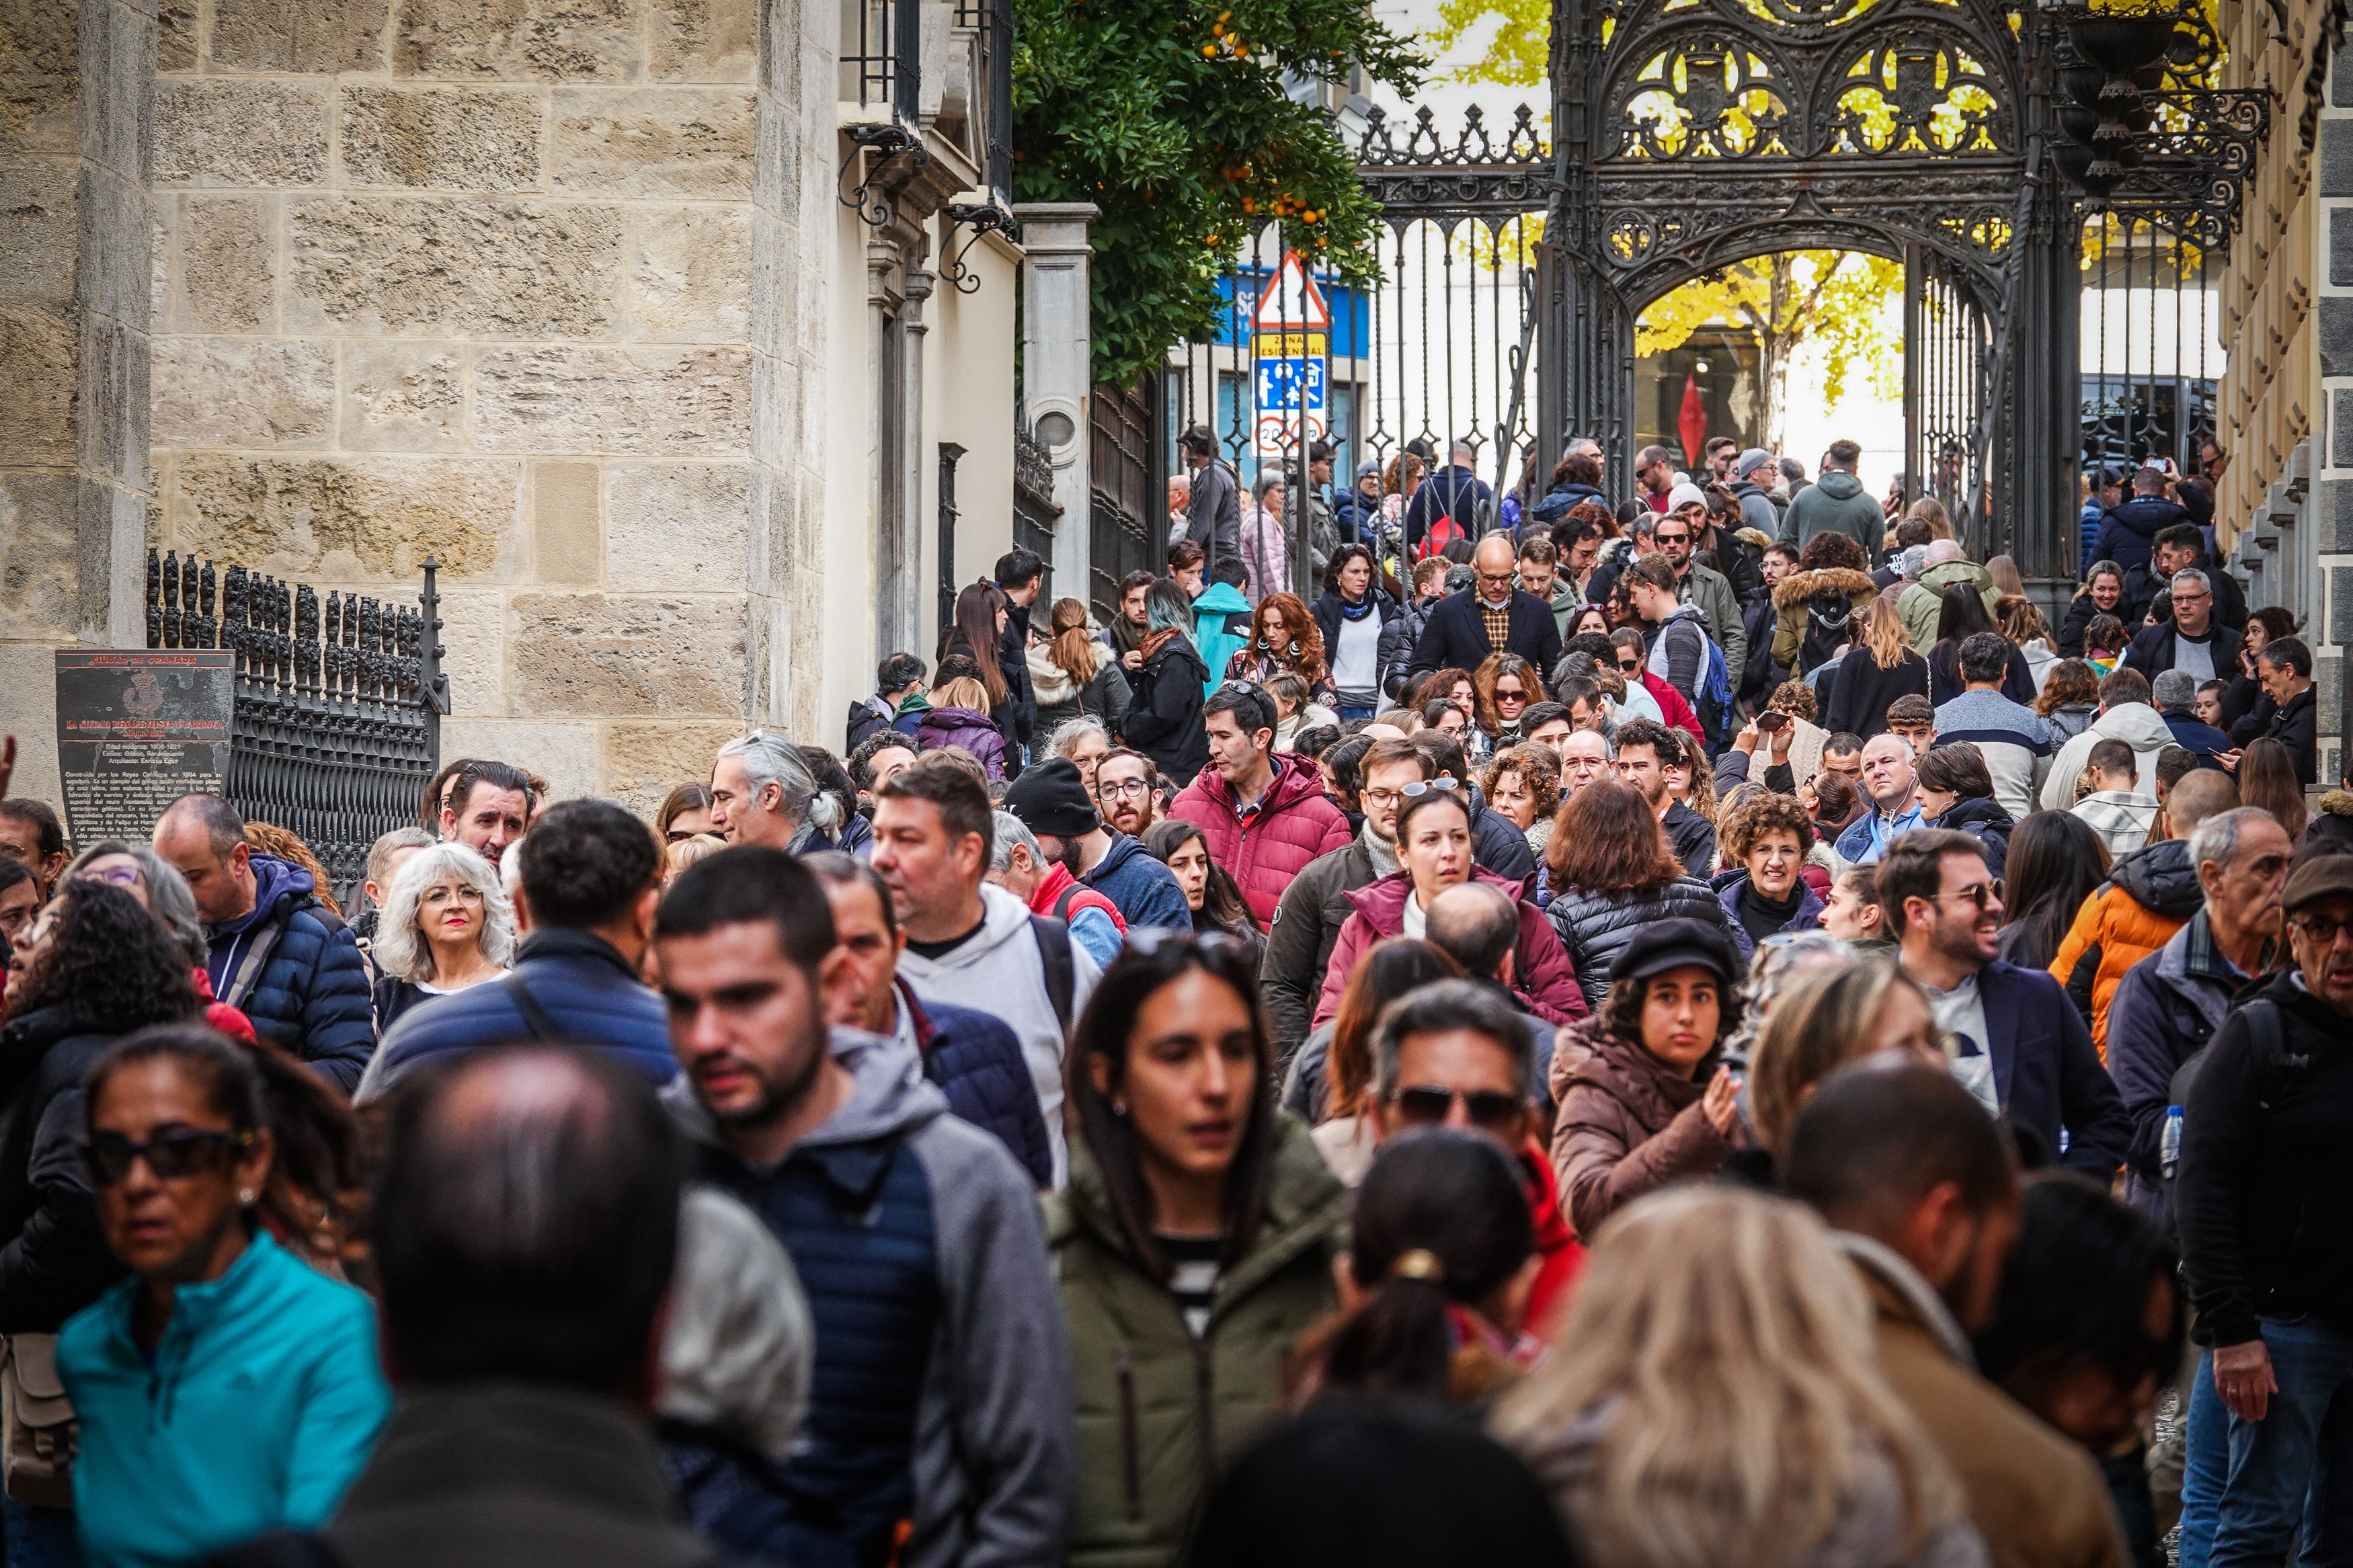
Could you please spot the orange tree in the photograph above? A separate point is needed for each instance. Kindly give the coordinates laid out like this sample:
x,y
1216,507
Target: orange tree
x,y
1176,118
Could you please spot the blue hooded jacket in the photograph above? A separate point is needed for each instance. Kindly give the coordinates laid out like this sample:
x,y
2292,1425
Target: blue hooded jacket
x,y
1211,634
587,989
1144,889
297,973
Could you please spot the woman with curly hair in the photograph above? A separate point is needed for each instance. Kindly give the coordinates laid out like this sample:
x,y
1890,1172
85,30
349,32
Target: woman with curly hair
x,y
1284,636
447,926
1501,689
1612,873
1523,786
2070,699
1765,844
1644,1099
103,966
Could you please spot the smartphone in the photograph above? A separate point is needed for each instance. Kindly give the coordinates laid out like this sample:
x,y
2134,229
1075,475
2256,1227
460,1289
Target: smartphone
x,y
1768,722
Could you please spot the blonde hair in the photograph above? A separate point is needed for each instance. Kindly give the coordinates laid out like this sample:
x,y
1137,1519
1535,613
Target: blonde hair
x,y
1815,1028
1884,634
964,691
678,857
1931,510
400,949
1728,1347
1071,651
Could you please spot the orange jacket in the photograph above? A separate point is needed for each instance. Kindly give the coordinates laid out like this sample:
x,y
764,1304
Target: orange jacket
x,y
2148,896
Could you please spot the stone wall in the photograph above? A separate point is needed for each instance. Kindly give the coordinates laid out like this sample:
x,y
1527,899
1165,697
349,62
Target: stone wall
x,y
522,285
76,93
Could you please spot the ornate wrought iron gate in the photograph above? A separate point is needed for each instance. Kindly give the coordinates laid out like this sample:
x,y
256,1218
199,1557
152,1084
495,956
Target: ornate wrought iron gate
x,y
1968,139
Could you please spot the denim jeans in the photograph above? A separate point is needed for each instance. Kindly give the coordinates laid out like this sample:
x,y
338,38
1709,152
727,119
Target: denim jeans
x,y
2205,1464
2296,1465
41,1537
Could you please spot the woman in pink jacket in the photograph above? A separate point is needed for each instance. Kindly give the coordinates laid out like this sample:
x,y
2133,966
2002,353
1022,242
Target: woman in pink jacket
x,y
1433,845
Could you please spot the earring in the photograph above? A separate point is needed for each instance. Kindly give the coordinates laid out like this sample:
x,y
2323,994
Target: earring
x,y
1119,1108
244,1197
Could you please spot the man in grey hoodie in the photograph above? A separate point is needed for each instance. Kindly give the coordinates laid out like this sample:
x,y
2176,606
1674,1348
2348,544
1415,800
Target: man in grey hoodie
x,y
1836,502
942,1426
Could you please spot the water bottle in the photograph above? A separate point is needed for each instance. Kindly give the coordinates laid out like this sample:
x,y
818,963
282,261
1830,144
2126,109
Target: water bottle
x,y
2169,1149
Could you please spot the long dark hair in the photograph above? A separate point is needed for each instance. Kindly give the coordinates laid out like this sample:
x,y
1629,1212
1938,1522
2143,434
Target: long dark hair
x,y
2055,862
974,626
110,965
1392,968
2267,778
2075,1293
1961,613
1441,1218
1606,840
318,1178
1223,907
1105,1030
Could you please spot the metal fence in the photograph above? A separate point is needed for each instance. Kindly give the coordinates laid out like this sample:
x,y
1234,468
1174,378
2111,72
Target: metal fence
x,y
337,728
1127,518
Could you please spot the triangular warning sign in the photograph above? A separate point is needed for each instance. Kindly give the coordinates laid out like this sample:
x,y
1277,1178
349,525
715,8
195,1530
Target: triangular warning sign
x,y
1292,300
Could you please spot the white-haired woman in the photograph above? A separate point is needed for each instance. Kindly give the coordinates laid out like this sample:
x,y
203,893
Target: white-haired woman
x,y
448,925
1713,1398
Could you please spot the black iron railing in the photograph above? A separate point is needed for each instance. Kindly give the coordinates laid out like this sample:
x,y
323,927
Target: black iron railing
x,y
338,723
888,54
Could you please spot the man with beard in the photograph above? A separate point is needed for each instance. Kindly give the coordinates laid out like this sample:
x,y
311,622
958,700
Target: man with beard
x,y
1128,788
2017,1045
940,1426
1644,750
1921,1195
1052,801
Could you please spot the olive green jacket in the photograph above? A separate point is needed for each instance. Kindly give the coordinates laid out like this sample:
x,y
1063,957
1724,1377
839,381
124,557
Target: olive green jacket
x,y
1160,1411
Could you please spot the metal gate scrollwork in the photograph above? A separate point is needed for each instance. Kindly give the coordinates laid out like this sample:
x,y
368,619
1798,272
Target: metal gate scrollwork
x,y
1955,136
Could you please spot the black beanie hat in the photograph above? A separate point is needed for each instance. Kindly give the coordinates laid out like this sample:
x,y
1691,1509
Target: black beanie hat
x,y
1051,797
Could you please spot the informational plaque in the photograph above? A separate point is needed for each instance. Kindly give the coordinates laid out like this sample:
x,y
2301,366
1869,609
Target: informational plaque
x,y
137,729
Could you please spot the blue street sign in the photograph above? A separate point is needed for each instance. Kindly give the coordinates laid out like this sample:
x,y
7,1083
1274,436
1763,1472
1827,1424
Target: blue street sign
x,y
1291,385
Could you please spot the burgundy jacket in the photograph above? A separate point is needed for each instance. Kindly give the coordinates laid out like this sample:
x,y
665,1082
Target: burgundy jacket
x,y
1294,824
1542,973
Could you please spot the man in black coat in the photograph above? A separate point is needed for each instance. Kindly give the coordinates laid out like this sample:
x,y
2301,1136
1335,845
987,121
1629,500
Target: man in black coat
x,y
2284,669
1461,630
2181,547
1020,574
2190,641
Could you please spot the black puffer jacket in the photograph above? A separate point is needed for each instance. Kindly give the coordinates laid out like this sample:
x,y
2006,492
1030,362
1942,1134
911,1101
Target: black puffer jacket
x,y
1984,820
1596,927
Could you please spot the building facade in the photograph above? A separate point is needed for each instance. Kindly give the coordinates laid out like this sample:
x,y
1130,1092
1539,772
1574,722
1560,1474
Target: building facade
x,y
588,299
2283,512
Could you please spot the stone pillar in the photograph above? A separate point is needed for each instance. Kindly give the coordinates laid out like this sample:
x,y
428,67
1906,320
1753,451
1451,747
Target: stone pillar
x,y
77,99
2321,591
1057,377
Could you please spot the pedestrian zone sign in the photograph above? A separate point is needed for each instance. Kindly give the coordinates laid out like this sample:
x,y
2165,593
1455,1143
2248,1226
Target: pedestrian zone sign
x,y
1290,347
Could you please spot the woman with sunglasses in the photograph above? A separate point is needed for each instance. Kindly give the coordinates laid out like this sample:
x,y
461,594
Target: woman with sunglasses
x,y
1644,1097
1501,687
102,967
1193,1242
1434,853
228,1388
156,883
447,926
685,812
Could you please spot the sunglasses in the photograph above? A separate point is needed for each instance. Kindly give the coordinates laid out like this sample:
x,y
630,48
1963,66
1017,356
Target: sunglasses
x,y
1665,538
680,834
1979,893
1630,663
114,876
1489,1110
171,1154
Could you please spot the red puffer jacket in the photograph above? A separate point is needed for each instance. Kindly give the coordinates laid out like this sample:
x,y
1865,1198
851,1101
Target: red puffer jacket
x,y
1541,971
1292,824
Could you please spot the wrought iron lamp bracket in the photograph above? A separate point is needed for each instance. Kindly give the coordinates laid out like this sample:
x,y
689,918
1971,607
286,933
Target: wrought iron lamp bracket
x,y
888,142
980,218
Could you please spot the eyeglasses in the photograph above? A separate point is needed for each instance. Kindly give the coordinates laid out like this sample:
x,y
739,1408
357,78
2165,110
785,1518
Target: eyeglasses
x,y
172,1153
113,876
1979,893
1386,799
1630,663
2320,930
1489,1110
680,834
1123,789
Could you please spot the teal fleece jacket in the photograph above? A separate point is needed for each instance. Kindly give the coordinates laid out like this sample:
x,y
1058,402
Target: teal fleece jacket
x,y
258,1409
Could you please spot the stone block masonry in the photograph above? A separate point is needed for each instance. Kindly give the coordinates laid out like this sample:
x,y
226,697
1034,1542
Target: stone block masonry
x,y
482,278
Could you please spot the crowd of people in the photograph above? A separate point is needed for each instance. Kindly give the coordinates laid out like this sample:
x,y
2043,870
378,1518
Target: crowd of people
x,y
1660,1033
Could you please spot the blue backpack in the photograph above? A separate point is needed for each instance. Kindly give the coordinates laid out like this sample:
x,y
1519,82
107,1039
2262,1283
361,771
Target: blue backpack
x,y
1714,704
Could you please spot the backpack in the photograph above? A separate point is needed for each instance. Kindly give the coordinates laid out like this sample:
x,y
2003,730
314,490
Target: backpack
x,y
1830,620
1712,703
1061,971
2275,1063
